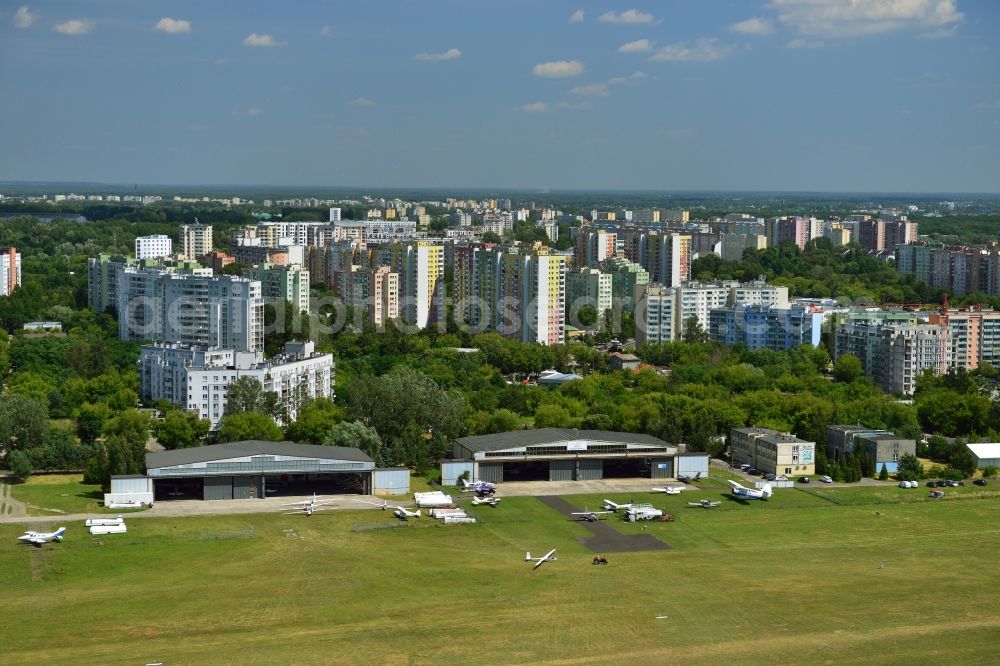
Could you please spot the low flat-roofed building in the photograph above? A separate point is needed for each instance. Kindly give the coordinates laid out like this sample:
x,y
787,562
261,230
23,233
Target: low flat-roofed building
x,y
882,446
772,451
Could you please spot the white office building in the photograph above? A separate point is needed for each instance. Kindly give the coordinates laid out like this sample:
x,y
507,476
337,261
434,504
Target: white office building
x,y
153,247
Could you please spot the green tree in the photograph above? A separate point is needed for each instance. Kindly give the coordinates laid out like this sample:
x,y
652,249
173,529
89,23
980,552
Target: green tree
x,y
553,416
181,430
315,420
90,419
883,474
24,422
247,426
246,394
989,471
847,369
910,469
694,332
963,459
357,435
587,315
20,465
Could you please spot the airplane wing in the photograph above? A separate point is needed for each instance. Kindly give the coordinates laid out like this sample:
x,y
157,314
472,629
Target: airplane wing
x,y
735,485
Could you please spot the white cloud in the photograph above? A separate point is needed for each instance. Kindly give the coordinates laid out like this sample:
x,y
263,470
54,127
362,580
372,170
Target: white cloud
x,y
327,31
591,90
362,101
450,54
24,17
535,107
800,43
576,17
558,68
848,18
702,50
627,16
634,76
638,46
264,40
753,26
75,27
173,26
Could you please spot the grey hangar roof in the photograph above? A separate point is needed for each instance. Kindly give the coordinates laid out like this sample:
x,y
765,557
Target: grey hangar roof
x,y
213,452
541,436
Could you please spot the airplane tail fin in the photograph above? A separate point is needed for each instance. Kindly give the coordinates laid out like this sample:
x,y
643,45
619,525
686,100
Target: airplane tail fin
x,y
766,490
59,534
527,556
465,483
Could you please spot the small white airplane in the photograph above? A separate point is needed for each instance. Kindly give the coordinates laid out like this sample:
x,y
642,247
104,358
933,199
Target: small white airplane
x,y
309,506
591,516
400,512
670,490
705,504
614,506
492,501
539,561
478,487
36,539
750,493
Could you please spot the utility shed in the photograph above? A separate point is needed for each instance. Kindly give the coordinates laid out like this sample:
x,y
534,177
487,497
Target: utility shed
x,y
256,469
558,454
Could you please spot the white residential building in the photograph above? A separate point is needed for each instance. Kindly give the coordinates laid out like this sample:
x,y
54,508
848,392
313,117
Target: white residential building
x,y
10,270
222,311
153,247
198,379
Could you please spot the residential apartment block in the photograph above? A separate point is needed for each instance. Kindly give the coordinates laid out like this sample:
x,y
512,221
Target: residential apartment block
x,y
198,379
196,240
153,247
10,270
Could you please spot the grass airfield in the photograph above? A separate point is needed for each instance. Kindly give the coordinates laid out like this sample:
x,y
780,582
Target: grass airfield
x,y
796,579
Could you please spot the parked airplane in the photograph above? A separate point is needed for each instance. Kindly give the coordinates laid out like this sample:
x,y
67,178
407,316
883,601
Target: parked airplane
x,y
704,504
750,493
539,561
309,506
591,516
400,512
492,501
479,487
614,506
38,538
687,478
670,490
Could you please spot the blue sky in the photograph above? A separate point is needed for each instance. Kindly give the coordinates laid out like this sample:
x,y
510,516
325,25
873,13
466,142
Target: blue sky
x,y
825,95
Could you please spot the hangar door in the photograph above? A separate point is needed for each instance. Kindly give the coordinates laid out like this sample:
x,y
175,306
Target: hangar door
x,y
590,470
218,487
561,470
661,468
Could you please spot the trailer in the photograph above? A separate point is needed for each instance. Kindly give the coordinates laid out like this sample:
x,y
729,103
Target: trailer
x,y
109,529
432,499
459,520
91,522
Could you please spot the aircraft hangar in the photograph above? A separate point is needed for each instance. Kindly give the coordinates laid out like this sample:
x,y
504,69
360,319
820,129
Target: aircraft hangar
x,y
558,454
252,469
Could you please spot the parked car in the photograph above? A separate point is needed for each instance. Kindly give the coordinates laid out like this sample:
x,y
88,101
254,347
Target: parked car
x,y
803,479
951,483
744,467
932,484
826,479
770,477
781,477
752,470
980,482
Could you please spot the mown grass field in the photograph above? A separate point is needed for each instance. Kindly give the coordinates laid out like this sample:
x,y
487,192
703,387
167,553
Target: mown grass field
x,y
793,580
55,494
